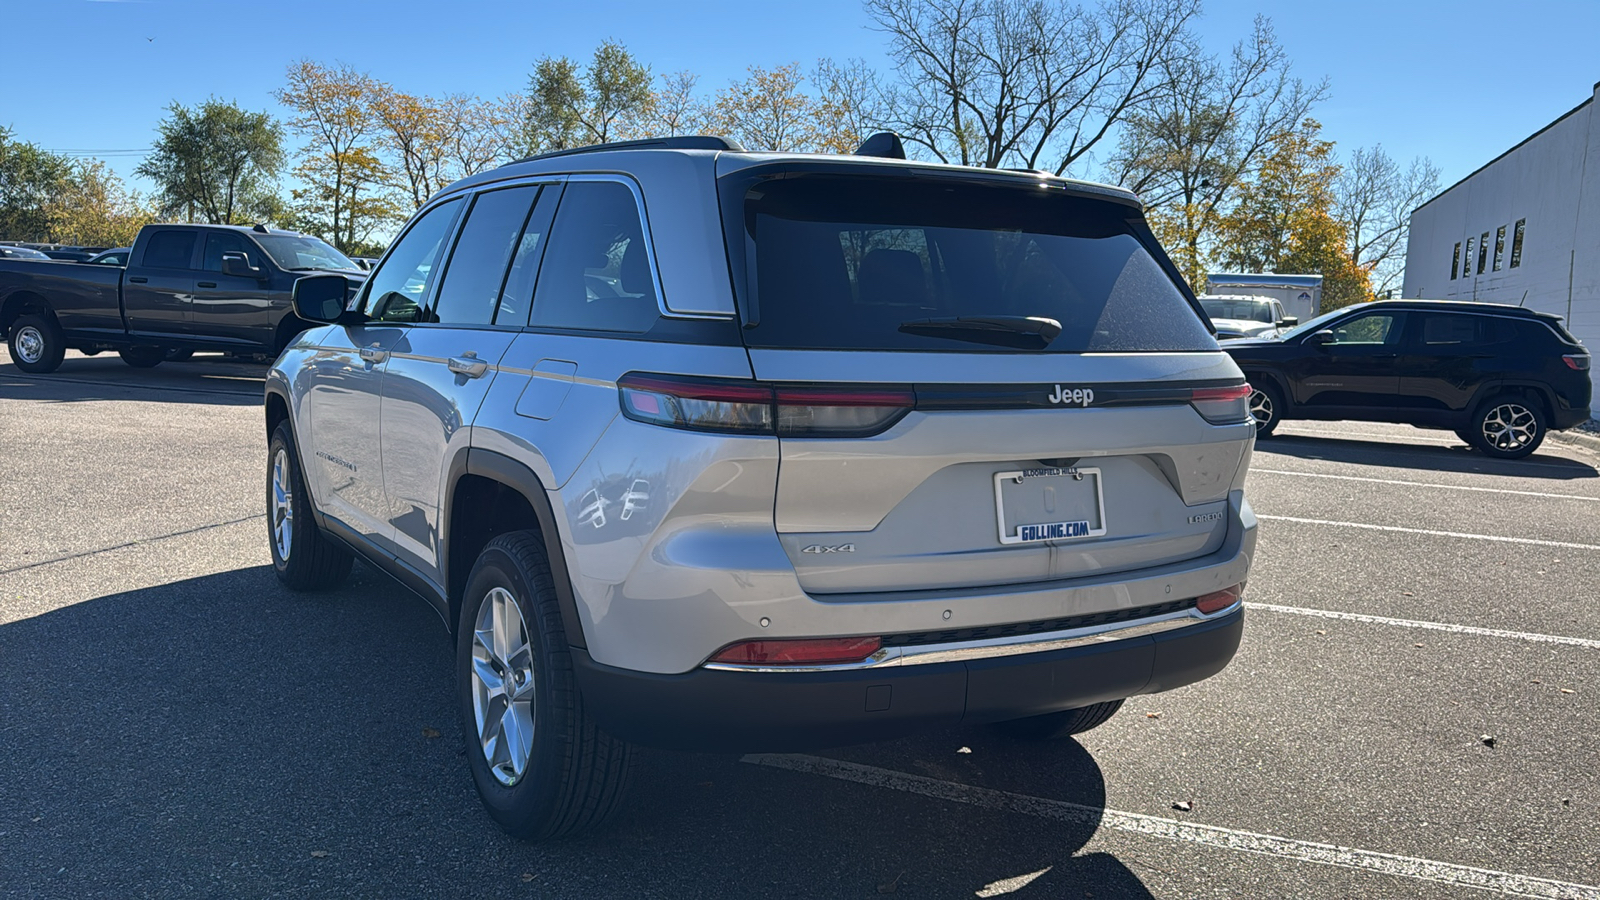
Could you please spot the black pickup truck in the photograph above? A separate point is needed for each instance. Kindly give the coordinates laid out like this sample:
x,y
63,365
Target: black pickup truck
x,y
186,288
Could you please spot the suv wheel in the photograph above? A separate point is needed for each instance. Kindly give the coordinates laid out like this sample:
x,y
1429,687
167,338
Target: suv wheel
x,y
1266,408
1062,724
542,767
142,357
36,344
304,558
1507,427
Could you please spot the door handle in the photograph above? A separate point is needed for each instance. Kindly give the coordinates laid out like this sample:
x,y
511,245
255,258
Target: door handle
x,y
374,355
138,279
468,364
206,284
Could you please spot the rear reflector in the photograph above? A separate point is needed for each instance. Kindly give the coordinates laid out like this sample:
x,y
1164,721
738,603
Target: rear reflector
x,y
804,652
1578,361
753,407
1224,405
1219,600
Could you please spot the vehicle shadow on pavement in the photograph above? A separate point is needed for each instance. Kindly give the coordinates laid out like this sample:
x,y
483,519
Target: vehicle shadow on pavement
x,y
222,736
1433,457
172,383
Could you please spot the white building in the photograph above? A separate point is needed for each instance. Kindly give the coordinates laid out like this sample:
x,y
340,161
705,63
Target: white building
x,y
1524,229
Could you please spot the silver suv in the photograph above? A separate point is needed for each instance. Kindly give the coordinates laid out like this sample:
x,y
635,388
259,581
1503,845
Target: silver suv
x,y
696,447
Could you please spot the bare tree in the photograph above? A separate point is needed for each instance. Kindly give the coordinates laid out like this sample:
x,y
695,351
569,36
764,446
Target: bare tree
x,y
852,101
473,130
1186,150
1374,197
1033,83
677,109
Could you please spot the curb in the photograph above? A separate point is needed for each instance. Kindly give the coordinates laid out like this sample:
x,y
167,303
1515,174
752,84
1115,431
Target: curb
x,y
1574,437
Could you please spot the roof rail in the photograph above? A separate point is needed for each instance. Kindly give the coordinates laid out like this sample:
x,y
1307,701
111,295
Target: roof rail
x,y
681,142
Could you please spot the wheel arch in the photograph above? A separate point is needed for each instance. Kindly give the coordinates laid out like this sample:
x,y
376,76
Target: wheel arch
x,y
1528,390
20,303
1259,376
489,494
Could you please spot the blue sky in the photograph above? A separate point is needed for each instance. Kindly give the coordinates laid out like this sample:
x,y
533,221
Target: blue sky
x,y
1458,81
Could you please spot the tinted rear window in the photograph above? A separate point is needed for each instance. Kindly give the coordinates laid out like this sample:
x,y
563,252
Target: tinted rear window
x,y
843,262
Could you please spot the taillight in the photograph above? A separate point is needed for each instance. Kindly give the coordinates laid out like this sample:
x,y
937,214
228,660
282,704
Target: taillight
x,y
1219,600
802,652
753,407
1224,405
1578,361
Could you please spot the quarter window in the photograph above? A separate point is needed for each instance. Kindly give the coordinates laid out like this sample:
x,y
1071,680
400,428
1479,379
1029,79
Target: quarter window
x,y
471,287
398,291
1516,243
596,272
1483,251
169,250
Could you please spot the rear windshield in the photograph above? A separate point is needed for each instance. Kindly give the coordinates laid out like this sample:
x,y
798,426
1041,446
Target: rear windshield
x,y
845,262
1246,310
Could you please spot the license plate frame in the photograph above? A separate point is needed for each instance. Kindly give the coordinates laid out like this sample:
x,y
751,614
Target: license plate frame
x,y
1069,530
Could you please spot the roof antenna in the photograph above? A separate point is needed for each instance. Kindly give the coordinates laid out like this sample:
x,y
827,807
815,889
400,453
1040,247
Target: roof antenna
x,y
884,144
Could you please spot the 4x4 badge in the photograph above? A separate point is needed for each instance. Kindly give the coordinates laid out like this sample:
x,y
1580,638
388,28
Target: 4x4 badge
x,y
824,548
1072,396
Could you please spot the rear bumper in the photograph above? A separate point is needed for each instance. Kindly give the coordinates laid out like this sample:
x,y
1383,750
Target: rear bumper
x,y
790,711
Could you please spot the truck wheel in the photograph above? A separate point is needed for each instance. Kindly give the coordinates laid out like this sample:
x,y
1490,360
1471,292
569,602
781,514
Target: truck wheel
x,y
542,767
1507,427
142,357
304,558
1061,724
36,344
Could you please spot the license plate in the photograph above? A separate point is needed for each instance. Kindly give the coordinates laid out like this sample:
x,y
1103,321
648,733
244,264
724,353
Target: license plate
x,y
1033,505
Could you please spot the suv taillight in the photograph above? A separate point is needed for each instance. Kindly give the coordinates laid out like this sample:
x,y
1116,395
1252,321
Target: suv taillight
x,y
751,407
1222,406
1578,361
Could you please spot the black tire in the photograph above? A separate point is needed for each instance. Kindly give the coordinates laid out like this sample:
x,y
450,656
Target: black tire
x,y
1266,407
142,357
575,776
1507,427
1062,724
36,344
314,561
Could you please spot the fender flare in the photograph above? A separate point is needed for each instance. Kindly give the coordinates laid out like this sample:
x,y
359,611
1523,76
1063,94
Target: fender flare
x,y
521,479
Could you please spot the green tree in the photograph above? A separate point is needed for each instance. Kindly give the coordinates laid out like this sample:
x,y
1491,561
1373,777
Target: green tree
x,y
96,208
1283,220
216,162
31,180
569,106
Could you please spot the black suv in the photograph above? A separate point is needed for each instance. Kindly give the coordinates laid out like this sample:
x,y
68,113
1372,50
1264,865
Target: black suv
x,y
1499,376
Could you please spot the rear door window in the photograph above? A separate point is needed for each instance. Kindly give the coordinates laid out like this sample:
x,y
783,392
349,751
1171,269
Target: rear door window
x,y
169,250
854,262
1453,333
471,288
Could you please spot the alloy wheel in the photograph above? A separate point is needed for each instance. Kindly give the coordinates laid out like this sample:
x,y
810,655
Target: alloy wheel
x,y
1510,426
30,344
503,701
282,505
1261,408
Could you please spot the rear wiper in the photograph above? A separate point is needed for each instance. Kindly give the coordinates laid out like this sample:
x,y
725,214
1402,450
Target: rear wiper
x,y
1021,332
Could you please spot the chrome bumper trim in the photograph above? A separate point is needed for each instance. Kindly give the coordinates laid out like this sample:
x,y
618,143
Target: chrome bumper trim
x,y
926,654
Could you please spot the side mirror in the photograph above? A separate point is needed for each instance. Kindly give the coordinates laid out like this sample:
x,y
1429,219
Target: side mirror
x,y
1288,322
1321,338
237,265
323,298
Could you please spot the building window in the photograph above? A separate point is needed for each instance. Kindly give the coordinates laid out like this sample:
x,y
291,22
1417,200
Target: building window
x,y
1455,261
1483,252
1499,247
1466,263
1516,243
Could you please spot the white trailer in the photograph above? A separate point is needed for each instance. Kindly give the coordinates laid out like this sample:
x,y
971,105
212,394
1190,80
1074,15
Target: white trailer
x,y
1301,295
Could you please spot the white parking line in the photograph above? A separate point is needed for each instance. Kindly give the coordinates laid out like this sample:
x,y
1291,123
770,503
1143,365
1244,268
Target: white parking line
x,y
1585,643
1428,531
1371,434
1172,829
1426,484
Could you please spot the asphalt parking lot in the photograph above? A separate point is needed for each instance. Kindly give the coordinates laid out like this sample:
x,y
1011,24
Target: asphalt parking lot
x,y
173,723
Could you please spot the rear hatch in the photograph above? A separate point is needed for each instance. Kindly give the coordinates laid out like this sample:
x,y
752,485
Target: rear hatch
x,y
978,382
